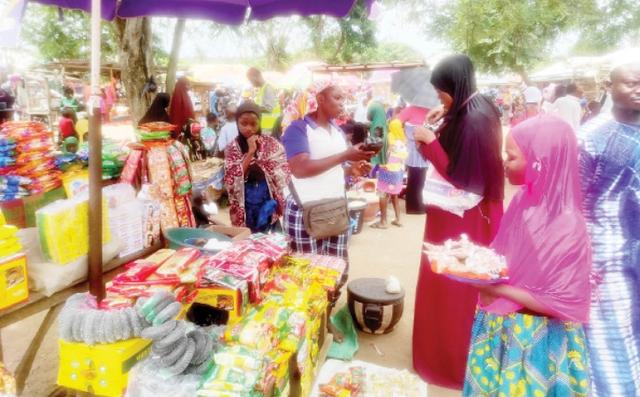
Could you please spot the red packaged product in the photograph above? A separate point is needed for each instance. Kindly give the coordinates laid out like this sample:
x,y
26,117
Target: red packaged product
x,y
138,270
179,262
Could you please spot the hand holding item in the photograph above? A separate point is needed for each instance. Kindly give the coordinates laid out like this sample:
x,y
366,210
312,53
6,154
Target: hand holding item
x,y
423,135
435,114
357,153
253,143
360,168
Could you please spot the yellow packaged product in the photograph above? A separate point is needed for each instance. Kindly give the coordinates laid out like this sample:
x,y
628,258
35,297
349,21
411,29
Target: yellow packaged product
x,y
7,231
102,370
13,280
63,228
10,246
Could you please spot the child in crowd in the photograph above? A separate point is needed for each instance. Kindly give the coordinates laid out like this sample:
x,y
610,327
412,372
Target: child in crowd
x,y
528,337
66,125
209,133
391,174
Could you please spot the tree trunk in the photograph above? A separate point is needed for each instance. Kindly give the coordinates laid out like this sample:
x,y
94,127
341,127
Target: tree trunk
x,y
136,61
175,54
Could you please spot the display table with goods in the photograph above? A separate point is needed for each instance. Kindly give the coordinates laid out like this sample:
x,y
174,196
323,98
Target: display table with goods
x,y
160,166
247,321
46,264
34,173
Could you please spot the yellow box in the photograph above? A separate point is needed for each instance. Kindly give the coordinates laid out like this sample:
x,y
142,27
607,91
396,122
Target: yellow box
x,y
102,370
14,287
222,298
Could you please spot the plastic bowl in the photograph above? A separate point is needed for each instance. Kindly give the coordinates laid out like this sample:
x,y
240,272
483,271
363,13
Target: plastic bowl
x,y
181,237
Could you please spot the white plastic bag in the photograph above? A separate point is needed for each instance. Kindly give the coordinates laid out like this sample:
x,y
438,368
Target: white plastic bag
x,y
49,278
147,380
438,192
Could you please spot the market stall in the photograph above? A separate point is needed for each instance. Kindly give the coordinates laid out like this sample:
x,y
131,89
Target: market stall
x,y
247,320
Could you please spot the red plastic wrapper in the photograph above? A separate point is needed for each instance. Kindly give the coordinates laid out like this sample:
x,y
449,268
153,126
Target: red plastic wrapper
x,y
136,271
179,262
131,167
248,274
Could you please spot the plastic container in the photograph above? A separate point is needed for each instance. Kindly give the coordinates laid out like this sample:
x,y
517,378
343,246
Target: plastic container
x,y
356,213
179,237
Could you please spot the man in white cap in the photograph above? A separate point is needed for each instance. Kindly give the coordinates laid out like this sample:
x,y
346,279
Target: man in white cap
x,y
610,175
532,98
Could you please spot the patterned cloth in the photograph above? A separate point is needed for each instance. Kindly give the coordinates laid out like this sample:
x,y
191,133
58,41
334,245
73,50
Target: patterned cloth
x,y
521,355
610,168
271,160
300,241
390,182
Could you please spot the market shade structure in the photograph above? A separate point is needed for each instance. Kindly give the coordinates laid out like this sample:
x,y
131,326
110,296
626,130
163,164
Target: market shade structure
x,y
223,11
231,12
107,11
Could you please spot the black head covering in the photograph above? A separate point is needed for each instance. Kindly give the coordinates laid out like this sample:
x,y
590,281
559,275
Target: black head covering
x,y
246,107
157,111
471,134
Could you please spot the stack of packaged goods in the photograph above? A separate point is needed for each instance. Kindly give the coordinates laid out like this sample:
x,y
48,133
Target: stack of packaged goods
x,y
27,163
155,131
63,229
114,156
164,164
13,267
277,304
287,322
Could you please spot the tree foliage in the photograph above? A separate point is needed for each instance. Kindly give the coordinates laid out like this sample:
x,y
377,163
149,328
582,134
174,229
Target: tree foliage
x,y
609,24
58,35
502,35
345,40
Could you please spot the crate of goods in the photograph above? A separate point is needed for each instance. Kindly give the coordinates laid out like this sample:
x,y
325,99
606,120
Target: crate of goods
x,y
102,370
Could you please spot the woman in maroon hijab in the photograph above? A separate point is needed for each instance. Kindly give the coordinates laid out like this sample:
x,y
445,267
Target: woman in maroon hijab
x,y
466,151
181,109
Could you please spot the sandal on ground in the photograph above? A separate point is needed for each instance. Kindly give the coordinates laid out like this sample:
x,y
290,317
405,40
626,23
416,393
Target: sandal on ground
x,y
379,225
396,223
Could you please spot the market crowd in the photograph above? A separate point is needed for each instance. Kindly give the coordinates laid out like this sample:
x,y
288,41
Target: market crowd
x,y
565,323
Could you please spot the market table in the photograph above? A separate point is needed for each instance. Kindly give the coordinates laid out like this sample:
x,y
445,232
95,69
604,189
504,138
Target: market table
x,y
38,302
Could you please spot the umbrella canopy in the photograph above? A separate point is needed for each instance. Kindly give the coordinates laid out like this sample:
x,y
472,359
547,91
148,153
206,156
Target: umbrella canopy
x,y
231,12
413,86
108,6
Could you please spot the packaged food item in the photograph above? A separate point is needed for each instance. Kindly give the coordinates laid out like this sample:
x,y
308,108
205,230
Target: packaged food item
x,y
7,382
239,357
179,262
466,260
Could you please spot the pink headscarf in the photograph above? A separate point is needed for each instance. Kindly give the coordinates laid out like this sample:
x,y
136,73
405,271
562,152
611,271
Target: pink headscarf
x,y
543,234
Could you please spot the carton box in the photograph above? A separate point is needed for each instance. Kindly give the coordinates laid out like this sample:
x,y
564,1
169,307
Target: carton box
x,y
102,369
13,280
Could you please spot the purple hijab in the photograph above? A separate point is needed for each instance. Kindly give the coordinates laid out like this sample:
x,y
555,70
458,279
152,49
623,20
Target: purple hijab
x,y
471,134
543,234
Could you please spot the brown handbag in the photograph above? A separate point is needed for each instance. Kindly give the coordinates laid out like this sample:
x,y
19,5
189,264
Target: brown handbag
x,y
323,218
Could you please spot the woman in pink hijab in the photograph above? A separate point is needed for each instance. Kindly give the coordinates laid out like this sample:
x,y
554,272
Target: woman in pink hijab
x,y
527,337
